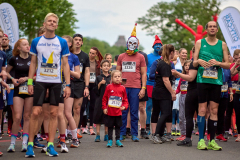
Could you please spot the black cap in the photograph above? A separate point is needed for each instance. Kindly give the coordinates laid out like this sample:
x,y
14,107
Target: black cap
x,y
78,35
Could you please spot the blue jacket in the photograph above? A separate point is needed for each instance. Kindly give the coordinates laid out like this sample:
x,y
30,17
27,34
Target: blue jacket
x,y
226,80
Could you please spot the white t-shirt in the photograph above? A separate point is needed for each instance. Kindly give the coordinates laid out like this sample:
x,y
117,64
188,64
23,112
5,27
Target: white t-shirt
x,y
49,52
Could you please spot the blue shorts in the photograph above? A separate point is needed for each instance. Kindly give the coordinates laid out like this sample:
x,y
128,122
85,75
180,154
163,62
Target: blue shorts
x,y
10,97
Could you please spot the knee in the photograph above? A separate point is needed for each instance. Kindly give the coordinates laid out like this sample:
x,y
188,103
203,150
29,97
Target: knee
x,y
202,111
36,112
142,109
53,114
26,117
18,119
214,111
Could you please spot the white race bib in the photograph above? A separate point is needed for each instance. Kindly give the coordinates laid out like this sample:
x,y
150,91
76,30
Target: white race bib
x,y
49,70
115,101
23,88
234,85
238,87
224,87
184,85
128,66
92,77
210,72
11,86
81,67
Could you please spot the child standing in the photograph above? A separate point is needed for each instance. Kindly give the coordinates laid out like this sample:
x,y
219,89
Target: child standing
x,y
182,87
113,102
101,82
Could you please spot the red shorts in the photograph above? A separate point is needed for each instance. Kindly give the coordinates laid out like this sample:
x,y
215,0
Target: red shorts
x,y
149,91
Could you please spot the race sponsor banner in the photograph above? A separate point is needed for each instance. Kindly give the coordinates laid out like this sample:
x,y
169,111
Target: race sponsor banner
x,y
229,22
9,22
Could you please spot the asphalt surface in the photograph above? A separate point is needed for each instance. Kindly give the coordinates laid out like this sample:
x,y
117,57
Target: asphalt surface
x,y
143,150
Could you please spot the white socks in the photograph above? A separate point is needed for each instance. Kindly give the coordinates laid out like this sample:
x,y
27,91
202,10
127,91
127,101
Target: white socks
x,y
74,133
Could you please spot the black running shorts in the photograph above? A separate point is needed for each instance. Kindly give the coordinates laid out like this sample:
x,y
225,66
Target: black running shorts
x,y
208,92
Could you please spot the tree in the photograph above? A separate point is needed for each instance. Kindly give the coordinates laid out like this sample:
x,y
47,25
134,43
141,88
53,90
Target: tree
x,y
31,14
160,20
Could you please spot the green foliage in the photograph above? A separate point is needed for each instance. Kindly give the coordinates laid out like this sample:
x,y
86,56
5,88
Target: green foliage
x,y
160,19
103,47
31,14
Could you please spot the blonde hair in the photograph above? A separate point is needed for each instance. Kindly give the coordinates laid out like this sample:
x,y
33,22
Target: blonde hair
x,y
107,54
115,71
236,52
49,15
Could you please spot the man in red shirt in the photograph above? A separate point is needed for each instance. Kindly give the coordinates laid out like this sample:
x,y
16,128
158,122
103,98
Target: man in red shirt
x,y
133,67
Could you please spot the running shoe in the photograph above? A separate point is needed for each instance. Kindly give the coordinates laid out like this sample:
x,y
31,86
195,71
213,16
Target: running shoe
x,y
19,136
156,139
148,131
64,148
122,137
221,138
97,139
185,143
208,137
85,131
173,133
1,153
30,152
214,146
37,144
106,137
8,132
11,148
24,148
135,139
91,131
202,145
171,137
79,136
165,138
119,144
230,132
197,133
178,133
181,138
109,144
238,139
226,135
144,135
44,150
75,143
40,138
235,134
67,140
51,152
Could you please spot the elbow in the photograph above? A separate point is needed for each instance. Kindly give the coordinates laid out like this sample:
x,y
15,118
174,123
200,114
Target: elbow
x,y
78,76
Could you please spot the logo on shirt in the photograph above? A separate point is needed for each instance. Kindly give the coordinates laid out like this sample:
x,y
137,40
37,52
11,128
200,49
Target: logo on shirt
x,y
49,60
112,91
29,63
204,46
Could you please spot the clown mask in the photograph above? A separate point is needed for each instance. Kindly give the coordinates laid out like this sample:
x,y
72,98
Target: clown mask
x,y
132,43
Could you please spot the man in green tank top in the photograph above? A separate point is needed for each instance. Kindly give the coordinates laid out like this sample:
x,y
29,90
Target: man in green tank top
x,y
211,55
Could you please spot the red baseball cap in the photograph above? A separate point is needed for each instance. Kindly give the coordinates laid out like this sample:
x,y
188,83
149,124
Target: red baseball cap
x,y
5,35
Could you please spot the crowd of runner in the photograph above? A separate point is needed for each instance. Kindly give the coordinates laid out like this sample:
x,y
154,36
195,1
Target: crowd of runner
x,y
54,85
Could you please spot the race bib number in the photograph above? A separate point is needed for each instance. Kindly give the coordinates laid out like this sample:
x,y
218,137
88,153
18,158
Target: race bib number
x,y
49,70
184,85
115,101
23,88
92,77
210,72
224,87
234,85
128,66
11,86
81,67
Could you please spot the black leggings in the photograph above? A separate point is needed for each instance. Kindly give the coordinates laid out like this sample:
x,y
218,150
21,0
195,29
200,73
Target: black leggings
x,y
229,111
83,118
191,106
221,110
92,102
236,106
164,106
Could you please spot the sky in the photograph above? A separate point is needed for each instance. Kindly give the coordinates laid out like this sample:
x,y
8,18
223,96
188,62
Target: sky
x,y
107,19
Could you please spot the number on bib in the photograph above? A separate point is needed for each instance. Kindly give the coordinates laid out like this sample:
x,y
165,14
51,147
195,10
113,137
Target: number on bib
x,y
184,85
49,70
210,72
224,87
23,88
92,77
115,101
128,66
11,86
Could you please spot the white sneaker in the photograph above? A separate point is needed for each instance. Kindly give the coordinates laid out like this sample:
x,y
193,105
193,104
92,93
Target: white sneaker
x,y
44,150
24,147
11,148
85,131
64,148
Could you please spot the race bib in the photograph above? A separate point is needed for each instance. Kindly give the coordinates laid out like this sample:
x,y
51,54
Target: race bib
x,y
11,86
234,85
210,72
49,70
128,66
92,77
224,87
184,85
115,101
23,88
238,87
81,67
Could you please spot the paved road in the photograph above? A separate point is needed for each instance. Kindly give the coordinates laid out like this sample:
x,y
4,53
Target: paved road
x,y
143,150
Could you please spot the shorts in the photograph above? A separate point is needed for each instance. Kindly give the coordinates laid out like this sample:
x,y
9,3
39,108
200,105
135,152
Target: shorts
x,y
208,92
149,91
114,121
23,96
77,89
145,98
10,97
40,89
